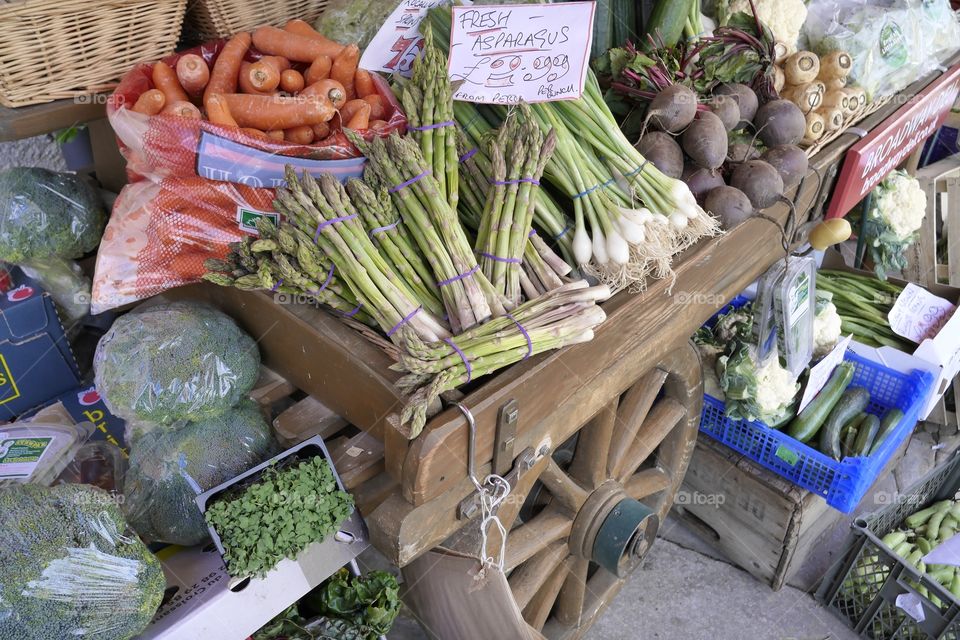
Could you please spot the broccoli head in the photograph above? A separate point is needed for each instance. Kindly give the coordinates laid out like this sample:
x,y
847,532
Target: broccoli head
x,y
167,468
45,214
173,362
70,568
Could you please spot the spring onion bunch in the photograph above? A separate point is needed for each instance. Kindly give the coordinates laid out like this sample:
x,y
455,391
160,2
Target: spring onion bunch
x,y
566,315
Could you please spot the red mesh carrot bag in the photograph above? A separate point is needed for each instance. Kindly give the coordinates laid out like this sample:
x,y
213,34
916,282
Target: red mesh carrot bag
x,y
195,187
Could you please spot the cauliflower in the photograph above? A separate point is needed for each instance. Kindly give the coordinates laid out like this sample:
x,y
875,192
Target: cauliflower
x,y
776,388
826,325
784,17
764,391
902,204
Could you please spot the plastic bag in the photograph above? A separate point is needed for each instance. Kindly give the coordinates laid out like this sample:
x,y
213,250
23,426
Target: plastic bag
x,y
70,568
200,186
351,21
892,43
172,362
169,469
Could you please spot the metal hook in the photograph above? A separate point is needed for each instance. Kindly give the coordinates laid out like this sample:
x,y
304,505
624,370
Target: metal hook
x,y
471,444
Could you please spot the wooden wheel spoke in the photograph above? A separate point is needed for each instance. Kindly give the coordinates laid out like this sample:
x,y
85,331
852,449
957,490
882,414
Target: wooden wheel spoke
x,y
537,611
633,411
566,492
527,579
593,447
523,542
662,419
570,600
647,482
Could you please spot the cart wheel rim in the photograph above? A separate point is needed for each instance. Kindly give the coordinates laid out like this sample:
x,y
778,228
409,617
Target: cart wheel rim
x,y
625,537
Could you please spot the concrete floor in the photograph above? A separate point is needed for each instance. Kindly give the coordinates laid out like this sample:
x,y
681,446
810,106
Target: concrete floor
x,y
40,151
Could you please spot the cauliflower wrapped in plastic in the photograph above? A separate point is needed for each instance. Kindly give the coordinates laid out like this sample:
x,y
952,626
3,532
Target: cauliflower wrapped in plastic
x,y
827,325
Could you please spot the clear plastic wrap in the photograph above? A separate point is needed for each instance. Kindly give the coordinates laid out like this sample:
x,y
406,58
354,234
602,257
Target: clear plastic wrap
x,y
168,469
892,43
71,568
196,186
173,362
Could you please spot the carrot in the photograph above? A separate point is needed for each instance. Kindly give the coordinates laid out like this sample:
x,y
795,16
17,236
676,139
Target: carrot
x,y
274,112
275,135
165,79
294,47
329,89
246,83
321,131
302,28
350,109
377,109
218,112
256,133
319,69
363,83
183,109
299,135
150,102
226,70
263,76
280,63
193,73
361,119
378,125
344,67
291,81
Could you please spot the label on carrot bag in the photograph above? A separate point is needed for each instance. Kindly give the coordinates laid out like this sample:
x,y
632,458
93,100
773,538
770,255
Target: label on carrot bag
x,y
918,314
399,41
511,53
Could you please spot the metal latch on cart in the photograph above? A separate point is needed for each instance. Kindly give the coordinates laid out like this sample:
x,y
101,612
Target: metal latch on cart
x,y
502,455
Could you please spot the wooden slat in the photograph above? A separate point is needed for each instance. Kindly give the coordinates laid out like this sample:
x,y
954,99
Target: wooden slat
x,y
953,237
633,411
307,418
589,465
358,459
564,490
666,414
537,612
523,542
570,600
370,494
527,579
270,387
38,119
646,483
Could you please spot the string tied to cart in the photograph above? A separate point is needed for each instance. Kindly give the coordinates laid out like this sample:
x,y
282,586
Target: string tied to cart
x,y
493,492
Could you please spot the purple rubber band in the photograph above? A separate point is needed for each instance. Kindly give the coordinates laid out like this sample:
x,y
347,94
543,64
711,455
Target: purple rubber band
x,y
469,154
517,181
409,182
327,223
525,335
325,283
388,227
354,312
566,229
277,286
404,321
463,357
444,283
532,233
499,259
638,169
428,127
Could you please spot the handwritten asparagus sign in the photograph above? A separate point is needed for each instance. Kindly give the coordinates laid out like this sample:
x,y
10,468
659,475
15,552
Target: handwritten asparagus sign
x,y
399,42
534,53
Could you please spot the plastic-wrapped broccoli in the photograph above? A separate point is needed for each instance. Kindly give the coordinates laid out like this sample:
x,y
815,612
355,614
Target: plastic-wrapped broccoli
x,y
70,568
168,469
172,362
47,220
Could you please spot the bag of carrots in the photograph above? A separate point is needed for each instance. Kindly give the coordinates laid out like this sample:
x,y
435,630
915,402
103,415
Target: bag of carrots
x,y
206,134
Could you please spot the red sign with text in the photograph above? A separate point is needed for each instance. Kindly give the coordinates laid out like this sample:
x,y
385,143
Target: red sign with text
x,y
887,146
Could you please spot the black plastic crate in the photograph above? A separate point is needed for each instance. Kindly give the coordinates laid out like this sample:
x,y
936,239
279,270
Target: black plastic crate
x,y
862,588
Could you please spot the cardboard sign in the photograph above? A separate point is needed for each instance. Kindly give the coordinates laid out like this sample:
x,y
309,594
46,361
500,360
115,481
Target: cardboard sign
x,y
820,373
918,314
534,53
886,146
399,42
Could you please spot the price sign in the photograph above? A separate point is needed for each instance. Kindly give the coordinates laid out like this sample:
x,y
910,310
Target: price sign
x,y
820,373
918,314
511,53
399,42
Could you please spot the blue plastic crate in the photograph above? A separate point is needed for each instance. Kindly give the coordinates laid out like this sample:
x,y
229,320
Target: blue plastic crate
x,y
842,483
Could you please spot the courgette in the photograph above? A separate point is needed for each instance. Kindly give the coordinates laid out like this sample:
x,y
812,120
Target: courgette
x,y
667,21
890,420
869,427
805,426
849,438
853,401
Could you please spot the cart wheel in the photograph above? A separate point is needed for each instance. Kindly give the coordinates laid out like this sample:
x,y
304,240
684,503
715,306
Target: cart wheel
x,y
585,523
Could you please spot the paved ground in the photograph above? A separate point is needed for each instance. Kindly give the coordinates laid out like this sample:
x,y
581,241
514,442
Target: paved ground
x,y
32,152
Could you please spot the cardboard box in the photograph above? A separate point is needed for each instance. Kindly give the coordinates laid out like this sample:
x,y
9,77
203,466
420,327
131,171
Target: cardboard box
x,y
939,355
36,362
84,404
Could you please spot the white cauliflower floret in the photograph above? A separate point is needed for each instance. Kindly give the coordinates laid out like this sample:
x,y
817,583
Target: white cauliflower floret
x,y
776,386
826,329
902,204
784,17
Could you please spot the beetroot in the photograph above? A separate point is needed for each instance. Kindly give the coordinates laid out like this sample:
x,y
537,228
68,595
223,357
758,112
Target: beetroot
x,y
662,150
673,108
729,204
701,181
705,141
780,122
790,162
745,98
759,181
727,110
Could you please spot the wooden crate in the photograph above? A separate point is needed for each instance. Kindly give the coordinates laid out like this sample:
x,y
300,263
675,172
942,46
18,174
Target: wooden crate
x,y
763,523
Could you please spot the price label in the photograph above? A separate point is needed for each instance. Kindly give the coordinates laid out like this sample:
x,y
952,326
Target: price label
x,y
918,314
399,42
820,373
512,53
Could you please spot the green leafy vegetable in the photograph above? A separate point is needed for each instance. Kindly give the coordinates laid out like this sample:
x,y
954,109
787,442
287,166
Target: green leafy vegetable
x,y
371,601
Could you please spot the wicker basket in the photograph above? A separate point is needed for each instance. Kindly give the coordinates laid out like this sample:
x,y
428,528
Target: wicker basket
x,y
210,19
53,49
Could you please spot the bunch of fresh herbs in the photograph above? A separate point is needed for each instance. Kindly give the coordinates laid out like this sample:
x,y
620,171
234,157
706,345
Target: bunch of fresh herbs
x,y
279,516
